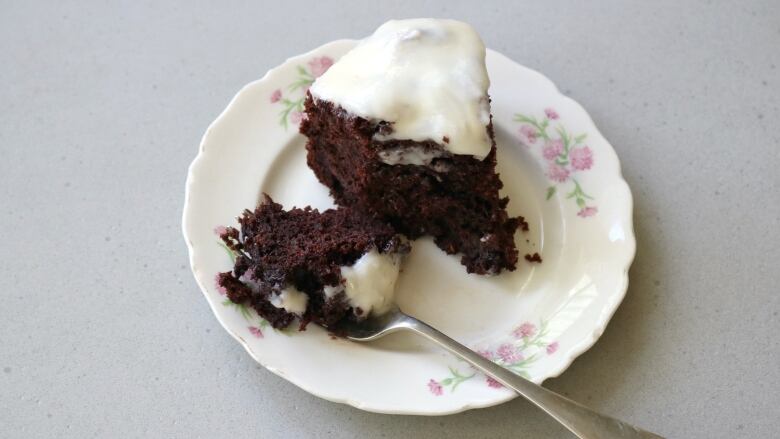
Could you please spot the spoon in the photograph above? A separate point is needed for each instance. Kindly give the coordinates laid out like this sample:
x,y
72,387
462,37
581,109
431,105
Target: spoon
x,y
580,420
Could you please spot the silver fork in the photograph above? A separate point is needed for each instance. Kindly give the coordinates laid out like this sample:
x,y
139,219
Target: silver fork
x,y
580,420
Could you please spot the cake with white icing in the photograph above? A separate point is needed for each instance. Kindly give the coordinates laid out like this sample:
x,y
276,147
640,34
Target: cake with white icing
x,y
400,128
324,267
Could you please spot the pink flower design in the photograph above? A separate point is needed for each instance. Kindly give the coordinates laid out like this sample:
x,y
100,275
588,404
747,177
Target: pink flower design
x,y
509,354
493,383
565,155
553,149
320,65
587,211
220,289
529,133
525,330
219,230
552,347
255,331
435,387
486,354
557,173
276,96
296,117
581,158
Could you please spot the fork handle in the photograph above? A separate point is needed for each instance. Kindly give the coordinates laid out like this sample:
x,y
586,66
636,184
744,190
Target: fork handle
x,y
580,420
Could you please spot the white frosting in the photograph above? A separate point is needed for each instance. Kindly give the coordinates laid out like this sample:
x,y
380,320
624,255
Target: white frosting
x,y
331,291
409,156
370,283
291,300
426,76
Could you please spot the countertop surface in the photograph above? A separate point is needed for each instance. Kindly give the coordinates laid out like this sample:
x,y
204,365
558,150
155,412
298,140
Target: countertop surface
x,y
104,333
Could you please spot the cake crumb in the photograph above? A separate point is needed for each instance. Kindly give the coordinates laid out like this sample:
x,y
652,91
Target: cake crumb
x,y
445,139
523,224
533,258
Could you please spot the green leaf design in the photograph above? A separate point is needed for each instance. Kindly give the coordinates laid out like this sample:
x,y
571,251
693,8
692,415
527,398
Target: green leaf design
x,y
240,307
532,348
283,115
578,190
231,253
569,143
289,106
565,138
455,378
300,83
541,127
523,118
245,312
303,81
455,386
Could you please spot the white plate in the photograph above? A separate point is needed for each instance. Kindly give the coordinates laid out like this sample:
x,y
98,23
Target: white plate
x,y
535,320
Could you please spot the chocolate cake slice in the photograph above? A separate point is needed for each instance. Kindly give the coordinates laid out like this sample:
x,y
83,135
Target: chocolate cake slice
x,y
329,267
400,127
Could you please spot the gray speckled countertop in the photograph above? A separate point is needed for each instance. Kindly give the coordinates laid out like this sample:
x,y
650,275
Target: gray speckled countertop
x,y
103,332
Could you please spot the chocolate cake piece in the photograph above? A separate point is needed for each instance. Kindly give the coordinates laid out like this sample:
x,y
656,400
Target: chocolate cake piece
x,y
400,127
323,267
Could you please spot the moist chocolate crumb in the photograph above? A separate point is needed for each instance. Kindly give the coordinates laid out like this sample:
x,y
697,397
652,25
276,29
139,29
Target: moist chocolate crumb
x,y
456,201
533,258
522,223
301,248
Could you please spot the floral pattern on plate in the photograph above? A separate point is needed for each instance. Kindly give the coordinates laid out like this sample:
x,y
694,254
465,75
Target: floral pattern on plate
x,y
526,345
255,329
250,131
565,156
292,111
